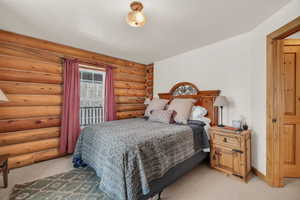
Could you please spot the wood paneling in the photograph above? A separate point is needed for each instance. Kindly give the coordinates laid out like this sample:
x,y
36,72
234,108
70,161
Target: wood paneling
x,y
11,87
131,70
32,100
28,135
130,114
130,107
29,123
129,77
27,159
149,81
129,85
28,111
62,50
130,92
25,64
29,147
18,50
31,76
129,100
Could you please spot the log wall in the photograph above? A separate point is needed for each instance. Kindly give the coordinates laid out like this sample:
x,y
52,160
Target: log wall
x,y
149,81
31,76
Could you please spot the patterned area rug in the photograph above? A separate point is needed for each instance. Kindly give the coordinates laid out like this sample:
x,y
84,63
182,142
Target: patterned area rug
x,y
78,184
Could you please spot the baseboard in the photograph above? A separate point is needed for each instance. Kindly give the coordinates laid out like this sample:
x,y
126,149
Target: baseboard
x,y
259,175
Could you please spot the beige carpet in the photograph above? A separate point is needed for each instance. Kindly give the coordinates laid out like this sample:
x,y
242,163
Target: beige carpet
x,y
202,183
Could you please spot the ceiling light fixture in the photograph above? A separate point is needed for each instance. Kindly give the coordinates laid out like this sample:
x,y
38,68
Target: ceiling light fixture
x,y
136,18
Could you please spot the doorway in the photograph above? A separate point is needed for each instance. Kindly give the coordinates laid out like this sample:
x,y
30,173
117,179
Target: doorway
x,y
283,104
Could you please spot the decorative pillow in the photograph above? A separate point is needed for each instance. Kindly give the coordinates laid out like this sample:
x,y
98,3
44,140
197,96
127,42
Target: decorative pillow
x,y
164,116
198,111
155,104
183,108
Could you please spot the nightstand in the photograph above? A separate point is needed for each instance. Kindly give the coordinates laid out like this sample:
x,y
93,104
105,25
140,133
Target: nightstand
x,y
231,152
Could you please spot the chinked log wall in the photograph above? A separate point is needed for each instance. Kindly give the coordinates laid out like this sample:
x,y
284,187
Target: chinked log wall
x,y
31,76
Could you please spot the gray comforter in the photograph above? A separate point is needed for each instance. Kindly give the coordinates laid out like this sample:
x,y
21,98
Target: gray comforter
x,y
129,154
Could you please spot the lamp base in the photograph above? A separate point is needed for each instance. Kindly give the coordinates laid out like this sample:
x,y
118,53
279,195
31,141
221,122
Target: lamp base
x,y
221,125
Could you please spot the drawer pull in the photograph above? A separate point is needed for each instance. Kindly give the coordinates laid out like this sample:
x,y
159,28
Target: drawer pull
x,y
224,139
238,151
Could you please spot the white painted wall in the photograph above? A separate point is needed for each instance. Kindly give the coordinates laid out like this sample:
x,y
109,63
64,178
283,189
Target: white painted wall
x,y
237,66
212,67
258,78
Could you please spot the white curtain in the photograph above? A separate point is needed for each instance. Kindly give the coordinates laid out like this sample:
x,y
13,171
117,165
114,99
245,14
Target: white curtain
x,y
91,97
91,94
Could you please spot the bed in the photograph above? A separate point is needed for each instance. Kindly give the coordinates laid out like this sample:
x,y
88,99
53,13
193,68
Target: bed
x,y
136,158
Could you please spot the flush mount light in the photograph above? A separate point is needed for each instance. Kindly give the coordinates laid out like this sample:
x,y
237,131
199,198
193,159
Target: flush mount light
x,y
136,18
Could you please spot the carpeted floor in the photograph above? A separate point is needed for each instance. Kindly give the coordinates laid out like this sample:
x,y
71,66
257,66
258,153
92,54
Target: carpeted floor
x,y
202,183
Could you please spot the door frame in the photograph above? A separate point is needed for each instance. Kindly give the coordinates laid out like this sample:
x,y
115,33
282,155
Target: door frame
x,y
275,101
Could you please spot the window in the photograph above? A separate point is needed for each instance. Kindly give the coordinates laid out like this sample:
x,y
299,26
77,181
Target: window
x,y
92,85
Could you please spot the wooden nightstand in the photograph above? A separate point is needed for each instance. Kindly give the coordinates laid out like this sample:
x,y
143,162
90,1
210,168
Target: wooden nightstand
x,y
231,152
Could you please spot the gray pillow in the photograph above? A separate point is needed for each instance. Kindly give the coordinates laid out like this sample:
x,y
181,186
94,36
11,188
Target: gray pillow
x,y
155,104
183,108
163,116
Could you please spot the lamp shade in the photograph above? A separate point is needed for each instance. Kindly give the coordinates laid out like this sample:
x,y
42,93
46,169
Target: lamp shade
x,y
3,97
221,101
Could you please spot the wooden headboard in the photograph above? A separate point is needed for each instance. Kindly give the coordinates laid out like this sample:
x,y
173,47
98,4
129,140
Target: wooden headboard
x,y
205,99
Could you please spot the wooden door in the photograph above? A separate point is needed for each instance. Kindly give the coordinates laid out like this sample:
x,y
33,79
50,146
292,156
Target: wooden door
x,y
291,117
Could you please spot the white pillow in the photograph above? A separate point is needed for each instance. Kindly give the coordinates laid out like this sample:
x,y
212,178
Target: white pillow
x,y
183,108
155,104
197,112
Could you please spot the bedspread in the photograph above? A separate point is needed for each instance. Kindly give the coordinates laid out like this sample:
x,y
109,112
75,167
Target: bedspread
x,y
128,154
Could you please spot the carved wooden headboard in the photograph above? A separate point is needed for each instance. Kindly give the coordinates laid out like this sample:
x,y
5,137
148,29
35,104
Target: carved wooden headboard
x,y
205,99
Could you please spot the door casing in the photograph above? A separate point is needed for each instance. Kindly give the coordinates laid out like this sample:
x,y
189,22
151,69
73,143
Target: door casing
x,y
275,101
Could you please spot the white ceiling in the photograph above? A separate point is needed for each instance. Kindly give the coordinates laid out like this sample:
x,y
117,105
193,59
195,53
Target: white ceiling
x,y
173,26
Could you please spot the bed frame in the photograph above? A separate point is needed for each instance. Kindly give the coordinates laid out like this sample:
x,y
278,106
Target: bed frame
x,y
205,99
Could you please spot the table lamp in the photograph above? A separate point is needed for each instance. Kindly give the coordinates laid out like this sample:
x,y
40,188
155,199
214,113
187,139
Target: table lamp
x,y
221,101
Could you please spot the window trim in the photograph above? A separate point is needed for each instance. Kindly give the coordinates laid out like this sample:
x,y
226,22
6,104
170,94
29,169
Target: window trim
x,y
85,68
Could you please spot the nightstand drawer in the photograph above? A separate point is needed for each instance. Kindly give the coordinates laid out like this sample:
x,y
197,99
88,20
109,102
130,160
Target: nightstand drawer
x,y
226,140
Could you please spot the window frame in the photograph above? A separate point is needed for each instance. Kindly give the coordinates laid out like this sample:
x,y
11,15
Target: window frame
x,y
92,69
